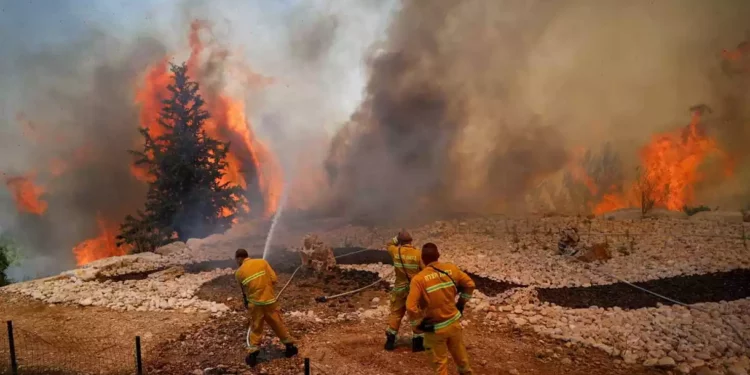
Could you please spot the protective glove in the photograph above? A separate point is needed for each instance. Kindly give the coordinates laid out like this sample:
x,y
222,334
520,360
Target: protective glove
x,y
460,306
425,326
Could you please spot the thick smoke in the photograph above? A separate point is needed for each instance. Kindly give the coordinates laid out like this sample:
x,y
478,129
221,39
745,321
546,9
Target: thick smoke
x,y
72,121
72,72
471,105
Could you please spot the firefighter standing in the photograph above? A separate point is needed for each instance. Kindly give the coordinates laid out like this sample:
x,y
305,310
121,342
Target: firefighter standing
x,y
257,278
406,263
433,309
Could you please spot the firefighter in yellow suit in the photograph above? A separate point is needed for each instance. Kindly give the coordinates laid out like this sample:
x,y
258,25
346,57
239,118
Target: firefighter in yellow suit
x,y
407,262
257,278
433,309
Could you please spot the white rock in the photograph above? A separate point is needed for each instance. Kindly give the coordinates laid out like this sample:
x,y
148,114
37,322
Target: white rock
x,y
666,362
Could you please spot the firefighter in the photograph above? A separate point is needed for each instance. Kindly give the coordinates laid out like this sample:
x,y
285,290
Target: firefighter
x,y
256,278
433,309
406,263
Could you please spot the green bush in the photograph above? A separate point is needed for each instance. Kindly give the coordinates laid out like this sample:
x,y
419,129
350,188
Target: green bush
x,y
7,255
690,211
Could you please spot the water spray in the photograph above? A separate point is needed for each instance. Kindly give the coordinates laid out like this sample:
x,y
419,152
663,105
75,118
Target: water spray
x,y
275,220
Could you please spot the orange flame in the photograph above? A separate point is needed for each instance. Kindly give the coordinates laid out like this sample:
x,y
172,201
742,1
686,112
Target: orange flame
x,y
575,166
228,123
102,246
670,164
26,194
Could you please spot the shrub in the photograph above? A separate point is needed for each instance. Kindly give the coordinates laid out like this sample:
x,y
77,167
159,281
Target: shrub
x,y
690,211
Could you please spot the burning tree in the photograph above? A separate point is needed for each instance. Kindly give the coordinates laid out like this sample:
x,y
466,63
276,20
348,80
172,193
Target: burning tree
x,y
186,197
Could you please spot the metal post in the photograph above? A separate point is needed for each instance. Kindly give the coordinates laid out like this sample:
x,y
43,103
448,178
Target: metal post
x,y
307,366
12,348
138,362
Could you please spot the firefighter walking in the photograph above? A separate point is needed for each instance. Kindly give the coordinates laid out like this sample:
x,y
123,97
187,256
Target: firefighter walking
x,y
432,309
407,264
256,278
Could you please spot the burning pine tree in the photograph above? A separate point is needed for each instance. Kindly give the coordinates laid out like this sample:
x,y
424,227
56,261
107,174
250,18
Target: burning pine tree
x,y
186,197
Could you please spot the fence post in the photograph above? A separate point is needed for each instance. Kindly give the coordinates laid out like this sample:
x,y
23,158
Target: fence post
x,y
138,362
307,366
12,349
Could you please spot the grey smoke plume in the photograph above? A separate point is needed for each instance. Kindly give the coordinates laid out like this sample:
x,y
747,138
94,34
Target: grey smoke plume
x,y
472,104
70,72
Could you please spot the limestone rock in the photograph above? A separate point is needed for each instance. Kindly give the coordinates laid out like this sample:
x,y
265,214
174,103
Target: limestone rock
x,y
316,255
169,249
666,362
719,216
170,273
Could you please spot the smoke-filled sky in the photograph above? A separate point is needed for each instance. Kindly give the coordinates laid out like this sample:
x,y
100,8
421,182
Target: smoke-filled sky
x,y
473,104
442,106
70,70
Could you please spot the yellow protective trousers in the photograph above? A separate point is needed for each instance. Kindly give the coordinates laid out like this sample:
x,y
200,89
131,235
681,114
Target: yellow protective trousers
x,y
449,340
398,310
261,314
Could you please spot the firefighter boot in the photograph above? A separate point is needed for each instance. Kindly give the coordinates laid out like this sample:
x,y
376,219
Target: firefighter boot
x,y
252,359
390,342
291,351
417,344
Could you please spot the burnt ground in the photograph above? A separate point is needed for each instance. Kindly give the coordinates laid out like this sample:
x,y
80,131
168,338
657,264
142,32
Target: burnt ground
x,y
713,287
491,287
366,256
301,292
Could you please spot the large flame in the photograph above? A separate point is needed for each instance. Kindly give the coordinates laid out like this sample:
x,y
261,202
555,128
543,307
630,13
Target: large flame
x,y
670,168
27,194
102,246
249,163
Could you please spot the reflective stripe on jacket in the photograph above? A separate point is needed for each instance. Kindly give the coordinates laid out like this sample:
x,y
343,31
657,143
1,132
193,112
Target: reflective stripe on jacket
x,y
409,261
432,295
257,278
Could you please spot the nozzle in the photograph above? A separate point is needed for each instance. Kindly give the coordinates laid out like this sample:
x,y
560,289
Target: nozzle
x,y
320,299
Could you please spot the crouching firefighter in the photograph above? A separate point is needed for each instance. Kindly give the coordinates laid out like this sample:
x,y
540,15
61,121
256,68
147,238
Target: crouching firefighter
x,y
256,278
406,263
433,309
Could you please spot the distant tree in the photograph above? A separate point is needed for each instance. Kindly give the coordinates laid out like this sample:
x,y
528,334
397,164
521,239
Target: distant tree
x,y
185,198
8,252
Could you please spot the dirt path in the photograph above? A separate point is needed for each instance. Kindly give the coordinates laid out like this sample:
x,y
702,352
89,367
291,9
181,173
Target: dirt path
x,y
357,349
81,339
87,339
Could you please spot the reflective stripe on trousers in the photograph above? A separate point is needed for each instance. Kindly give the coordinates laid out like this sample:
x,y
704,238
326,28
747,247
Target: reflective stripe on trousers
x,y
261,314
444,342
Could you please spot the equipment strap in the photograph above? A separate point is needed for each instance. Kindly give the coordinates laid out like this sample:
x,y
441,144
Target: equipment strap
x,y
449,276
402,265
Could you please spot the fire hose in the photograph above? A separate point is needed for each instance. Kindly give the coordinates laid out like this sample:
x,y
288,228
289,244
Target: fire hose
x,y
321,298
300,266
326,298
723,319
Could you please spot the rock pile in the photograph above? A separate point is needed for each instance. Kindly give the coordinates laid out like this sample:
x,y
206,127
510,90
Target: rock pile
x,y
150,294
523,251
667,336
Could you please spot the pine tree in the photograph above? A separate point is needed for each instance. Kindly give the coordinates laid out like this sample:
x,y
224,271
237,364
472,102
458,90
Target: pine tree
x,y
185,199
8,250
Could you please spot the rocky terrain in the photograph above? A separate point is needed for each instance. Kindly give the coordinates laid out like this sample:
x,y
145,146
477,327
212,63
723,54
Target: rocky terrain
x,y
514,258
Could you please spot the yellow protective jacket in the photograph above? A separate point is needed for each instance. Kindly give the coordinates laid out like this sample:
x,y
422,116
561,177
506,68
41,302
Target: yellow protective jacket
x,y
432,295
257,278
407,264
